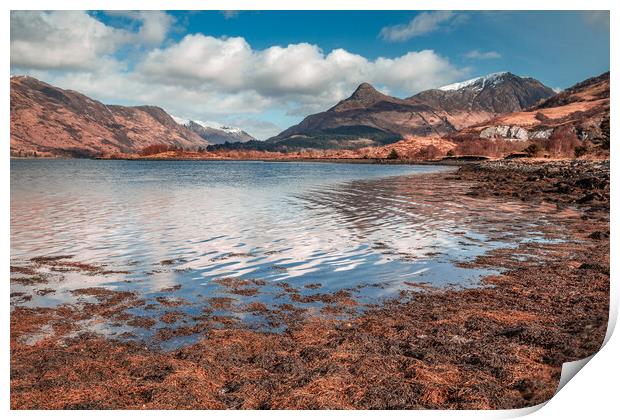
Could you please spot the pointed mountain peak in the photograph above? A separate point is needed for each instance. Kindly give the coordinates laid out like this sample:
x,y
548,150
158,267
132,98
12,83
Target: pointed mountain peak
x,y
365,90
365,95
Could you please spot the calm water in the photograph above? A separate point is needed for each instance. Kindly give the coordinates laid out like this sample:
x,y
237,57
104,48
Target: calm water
x,y
340,225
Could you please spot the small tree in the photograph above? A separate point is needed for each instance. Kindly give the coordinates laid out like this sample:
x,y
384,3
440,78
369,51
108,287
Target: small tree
x,y
450,153
393,154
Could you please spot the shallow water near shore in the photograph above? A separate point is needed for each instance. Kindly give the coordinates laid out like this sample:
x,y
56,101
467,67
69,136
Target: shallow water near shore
x,y
181,233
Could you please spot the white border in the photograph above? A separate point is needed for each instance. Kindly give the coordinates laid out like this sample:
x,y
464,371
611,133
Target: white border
x,y
593,393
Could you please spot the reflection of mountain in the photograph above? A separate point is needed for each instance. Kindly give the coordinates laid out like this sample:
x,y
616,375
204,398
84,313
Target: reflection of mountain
x,y
340,235
387,213
412,216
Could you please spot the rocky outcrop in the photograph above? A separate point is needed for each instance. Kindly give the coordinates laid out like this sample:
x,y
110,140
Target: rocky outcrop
x,y
540,134
514,132
49,121
505,132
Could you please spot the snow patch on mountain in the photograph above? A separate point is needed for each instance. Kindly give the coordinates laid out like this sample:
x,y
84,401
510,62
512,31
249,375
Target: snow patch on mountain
x,y
214,132
208,124
478,83
179,120
232,130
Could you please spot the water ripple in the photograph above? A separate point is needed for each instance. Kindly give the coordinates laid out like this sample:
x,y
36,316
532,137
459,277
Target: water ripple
x,y
338,225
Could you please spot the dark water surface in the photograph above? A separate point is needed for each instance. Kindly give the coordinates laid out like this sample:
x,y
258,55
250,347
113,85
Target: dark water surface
x,y
333,226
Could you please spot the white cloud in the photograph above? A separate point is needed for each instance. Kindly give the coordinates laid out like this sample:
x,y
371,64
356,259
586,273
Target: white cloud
x,y
297,68
152,25
298,72
482,55
199,58
422,24
155,26
61,40
73,40
195,102
203,77
415,71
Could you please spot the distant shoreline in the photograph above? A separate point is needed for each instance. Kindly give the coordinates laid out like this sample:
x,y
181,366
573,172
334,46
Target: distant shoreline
x,y
369,161
457,161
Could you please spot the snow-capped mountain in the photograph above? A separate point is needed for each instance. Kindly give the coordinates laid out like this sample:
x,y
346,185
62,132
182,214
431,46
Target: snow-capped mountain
x,y
478,83
369,117
489,95
215,135
582,109
231,130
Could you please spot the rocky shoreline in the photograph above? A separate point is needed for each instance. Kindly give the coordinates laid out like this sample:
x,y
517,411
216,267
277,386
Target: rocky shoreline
x,y
564,182
498,346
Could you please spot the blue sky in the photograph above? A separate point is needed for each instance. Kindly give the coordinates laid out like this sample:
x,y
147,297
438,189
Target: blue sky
x,y
558,48
266,70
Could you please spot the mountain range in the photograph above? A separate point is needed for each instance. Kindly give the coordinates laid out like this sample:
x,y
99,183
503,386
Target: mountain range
x,y
483,97
581,111
369,117
49,121
213,135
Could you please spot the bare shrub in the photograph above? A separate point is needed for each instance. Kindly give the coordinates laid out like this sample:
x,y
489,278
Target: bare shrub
x,y
159,148
562,142
428,153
